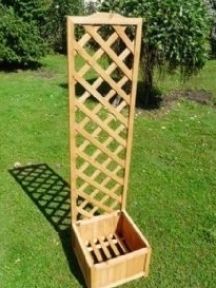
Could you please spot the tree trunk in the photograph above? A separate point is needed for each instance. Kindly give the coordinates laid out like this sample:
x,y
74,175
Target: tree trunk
x,y
148,71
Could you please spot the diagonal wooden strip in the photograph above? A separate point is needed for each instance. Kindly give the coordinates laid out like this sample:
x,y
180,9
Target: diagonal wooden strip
x,y
100,123
95,209
121,106
100,71
106,163
86,37
101,168
84,40
115,171
98,54
114,205
84,212
84,203
100,98
104,182
84,122
112,174
105,198
94,201
83,146
99,145
100,80
96,132
107,78
109,51
93,194
98,186
105,121
121,33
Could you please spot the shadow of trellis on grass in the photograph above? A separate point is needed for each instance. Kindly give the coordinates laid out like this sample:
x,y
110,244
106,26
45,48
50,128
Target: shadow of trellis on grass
x,y
51,194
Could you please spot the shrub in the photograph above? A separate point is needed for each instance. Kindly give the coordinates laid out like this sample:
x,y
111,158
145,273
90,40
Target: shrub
x,y
174,34
56,27
212,11
20,43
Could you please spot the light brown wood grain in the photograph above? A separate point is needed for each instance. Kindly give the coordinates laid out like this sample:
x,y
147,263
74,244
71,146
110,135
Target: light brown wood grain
x,y
109,247
132,109
72,109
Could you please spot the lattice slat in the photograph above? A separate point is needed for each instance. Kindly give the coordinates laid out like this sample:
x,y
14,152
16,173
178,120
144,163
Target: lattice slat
x,y
109,51
101,72
102,99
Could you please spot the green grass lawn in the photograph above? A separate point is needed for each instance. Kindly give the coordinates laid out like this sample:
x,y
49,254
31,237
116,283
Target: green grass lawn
x,y
172,184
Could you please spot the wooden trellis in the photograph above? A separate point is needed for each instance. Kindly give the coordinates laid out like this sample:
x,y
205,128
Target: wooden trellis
x,y
103,58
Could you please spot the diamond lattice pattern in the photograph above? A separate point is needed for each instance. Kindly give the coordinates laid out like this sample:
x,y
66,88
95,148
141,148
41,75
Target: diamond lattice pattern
x,y
102,103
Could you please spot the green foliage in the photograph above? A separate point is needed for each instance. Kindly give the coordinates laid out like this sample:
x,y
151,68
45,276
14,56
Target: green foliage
x,y
171,194
20,42
29,27
28,10
212,12
56,27
174,32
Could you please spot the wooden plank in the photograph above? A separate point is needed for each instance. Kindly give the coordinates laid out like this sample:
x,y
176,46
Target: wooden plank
x,y
132,110
98,54
85,38
121,244
101,123
72,133
90,60
109,51
98,130
105,243
99,145
105,250
128,219
112,245
101,99
100,168
84,203
104,19
121,106
96,252
94,201
121,32
96,173
105,218
147,262
100,80
104,182
98,186
92,229
84,212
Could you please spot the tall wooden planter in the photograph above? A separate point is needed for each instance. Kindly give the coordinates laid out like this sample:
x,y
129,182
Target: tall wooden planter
x,y
103,60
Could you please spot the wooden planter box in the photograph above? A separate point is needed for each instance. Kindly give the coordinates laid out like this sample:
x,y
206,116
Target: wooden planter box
x,y
109,247
110,250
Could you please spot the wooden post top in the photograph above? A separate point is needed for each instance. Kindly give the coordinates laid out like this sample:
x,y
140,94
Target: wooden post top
x,y
104,18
